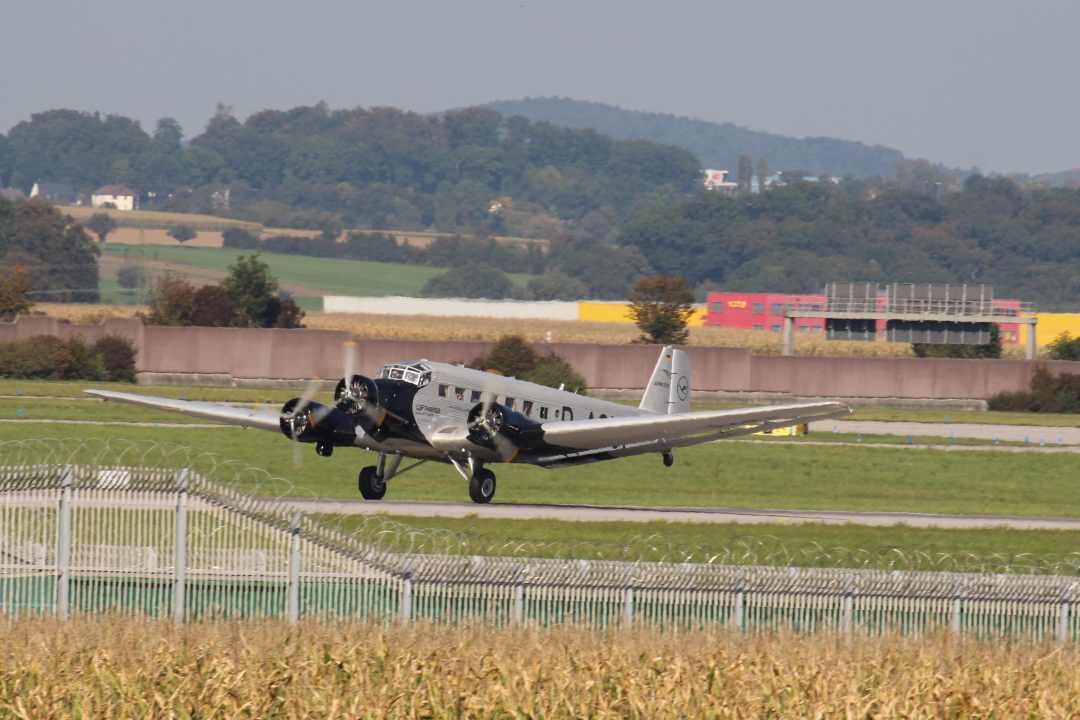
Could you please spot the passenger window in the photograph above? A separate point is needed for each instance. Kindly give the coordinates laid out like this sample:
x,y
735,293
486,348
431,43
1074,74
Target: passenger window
x,y
459,393
526,407
443,389
567,413
543,413
474,396
510,403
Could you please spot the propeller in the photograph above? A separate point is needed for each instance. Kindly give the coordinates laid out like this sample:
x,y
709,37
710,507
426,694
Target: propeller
x,y
487,424
296,420
358,395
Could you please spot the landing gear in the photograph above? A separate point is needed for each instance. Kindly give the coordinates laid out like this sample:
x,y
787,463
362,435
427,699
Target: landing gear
x,y
482,486
372,485
324,449
669,459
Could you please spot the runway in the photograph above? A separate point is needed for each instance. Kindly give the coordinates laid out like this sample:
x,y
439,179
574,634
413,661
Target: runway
x,y
1033,434
748,516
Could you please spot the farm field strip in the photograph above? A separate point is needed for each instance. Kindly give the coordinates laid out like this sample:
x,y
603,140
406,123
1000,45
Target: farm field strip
x,y
131,668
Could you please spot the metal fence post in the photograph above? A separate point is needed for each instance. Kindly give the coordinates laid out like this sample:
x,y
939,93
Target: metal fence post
x,y
180,549
405,601
628,607
847,615
517,611
63,545
957,610
1063,622
740,610
293,589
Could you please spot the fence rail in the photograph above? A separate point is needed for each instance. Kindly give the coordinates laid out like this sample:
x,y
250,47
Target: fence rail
x,y
173,543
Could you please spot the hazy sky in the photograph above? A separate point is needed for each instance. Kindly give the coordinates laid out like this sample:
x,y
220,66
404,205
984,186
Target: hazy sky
x,y
964,82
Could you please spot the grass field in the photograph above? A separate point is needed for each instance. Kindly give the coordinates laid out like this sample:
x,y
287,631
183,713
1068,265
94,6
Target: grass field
x,y
772,474
780,475
308,275
782,544
122,669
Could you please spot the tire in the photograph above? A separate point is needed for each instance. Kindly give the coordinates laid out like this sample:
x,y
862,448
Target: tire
x,y
482,486
372,487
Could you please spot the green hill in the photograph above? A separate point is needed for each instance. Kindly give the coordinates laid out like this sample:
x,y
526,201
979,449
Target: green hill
x,y
717,145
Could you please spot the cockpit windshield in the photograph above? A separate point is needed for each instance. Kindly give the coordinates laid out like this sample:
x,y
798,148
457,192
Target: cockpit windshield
x,y
418,374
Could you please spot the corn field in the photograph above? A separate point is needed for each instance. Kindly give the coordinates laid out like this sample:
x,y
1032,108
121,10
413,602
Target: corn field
x,y
122,668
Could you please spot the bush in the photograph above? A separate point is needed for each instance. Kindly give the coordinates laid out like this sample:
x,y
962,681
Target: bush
x,y
212,306
1064,347
239,238
513,357
1049,393
130,276
553,371
51,358
117,357
182,233
482,281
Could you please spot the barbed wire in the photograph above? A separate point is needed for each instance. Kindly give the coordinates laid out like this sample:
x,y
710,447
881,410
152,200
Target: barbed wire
x,y
386,535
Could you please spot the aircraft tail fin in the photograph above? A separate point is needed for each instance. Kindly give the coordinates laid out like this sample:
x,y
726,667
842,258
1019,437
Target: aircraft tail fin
x,y
668,391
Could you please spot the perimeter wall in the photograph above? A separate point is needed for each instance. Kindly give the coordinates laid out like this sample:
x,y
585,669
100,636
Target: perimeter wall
x,y
241,354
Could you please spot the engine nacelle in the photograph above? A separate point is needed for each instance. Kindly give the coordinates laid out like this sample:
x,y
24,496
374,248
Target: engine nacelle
x,y
488,421
360,401
316,422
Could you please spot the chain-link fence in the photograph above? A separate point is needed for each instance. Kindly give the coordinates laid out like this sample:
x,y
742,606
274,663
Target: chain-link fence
x,y
163,531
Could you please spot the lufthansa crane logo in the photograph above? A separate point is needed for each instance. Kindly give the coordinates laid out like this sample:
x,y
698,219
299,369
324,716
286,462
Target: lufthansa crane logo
x,y
683,387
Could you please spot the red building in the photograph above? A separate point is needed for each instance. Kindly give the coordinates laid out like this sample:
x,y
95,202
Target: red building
x,y
765,311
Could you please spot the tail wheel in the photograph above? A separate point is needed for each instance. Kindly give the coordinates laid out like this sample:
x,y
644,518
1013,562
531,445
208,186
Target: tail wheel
x,y
482,486
372,487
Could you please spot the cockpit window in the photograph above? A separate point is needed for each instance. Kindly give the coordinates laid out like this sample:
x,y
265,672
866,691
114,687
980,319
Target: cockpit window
x,y
418,374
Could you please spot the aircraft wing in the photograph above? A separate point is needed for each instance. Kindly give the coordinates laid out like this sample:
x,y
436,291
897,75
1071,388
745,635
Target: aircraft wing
x,y
218,412
683,428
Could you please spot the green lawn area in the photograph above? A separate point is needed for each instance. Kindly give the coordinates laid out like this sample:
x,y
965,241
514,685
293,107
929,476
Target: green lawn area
x,y
329,276
733,474
803,545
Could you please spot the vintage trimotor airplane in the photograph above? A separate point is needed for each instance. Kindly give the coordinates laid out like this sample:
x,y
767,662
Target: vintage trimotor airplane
x,y
427,410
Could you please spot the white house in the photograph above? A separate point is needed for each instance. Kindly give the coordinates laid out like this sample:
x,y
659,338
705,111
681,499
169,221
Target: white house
x,y
717,180
120,197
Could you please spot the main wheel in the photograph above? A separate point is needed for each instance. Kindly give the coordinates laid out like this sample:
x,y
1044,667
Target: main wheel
x,y
482,486
372,487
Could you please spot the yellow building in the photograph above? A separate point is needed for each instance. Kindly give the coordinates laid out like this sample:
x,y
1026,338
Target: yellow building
x,y
1050,326
619,312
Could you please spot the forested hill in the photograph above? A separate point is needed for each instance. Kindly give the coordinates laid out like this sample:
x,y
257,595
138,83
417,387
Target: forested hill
x,y
1026,243
464,171
717,145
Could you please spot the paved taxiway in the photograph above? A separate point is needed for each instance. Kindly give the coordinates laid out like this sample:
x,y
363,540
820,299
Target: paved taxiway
x,y
1035,435
594,513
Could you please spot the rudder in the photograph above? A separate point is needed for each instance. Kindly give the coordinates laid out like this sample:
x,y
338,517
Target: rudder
x,y
668,390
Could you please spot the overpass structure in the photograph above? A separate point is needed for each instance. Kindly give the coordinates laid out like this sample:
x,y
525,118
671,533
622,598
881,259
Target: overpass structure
x,y
910,313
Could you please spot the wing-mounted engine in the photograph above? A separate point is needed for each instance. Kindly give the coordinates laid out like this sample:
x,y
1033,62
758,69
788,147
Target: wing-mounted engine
x,y
306,421
359,399
506,431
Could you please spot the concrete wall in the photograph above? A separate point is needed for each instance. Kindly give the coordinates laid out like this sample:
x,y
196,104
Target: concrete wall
x,y
253,354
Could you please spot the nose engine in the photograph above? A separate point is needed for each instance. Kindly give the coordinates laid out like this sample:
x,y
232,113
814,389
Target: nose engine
x,y
359,399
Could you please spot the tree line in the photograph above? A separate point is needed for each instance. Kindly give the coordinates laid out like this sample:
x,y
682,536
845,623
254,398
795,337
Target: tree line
x,y
469,170
1025,242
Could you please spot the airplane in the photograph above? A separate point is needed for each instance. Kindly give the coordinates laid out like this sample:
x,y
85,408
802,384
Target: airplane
x,y
469,419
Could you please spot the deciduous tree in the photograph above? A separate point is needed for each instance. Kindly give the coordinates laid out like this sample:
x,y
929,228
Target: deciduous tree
x,y
661,306
101,224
